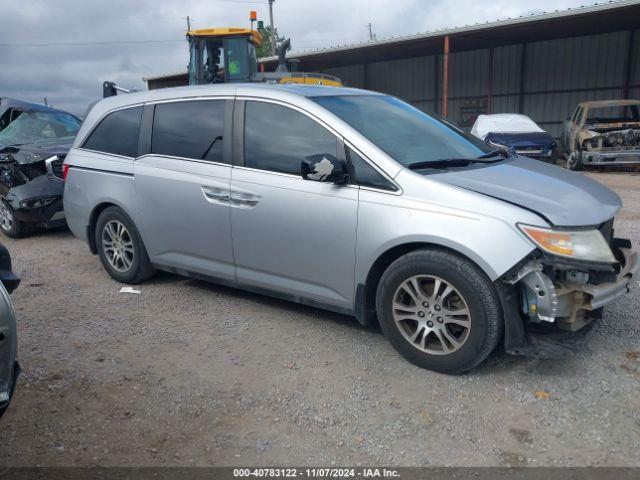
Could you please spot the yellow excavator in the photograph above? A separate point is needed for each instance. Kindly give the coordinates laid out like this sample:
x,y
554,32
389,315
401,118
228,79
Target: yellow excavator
x,y
227,55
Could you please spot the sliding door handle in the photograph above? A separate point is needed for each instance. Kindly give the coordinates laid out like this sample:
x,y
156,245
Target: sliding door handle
x,y
244,200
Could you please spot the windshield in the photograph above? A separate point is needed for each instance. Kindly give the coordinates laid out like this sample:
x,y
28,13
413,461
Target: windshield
x,y
613,114
405,133
35,126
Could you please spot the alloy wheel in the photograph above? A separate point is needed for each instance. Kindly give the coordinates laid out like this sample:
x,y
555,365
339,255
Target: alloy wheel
x,y
6,217
117,245
431,314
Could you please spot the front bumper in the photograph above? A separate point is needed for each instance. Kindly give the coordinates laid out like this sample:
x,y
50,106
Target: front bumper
x,y
22,197
622,157
600,295
553,324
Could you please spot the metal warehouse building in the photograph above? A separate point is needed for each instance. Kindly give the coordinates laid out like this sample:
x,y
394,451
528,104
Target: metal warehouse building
x,y
541,65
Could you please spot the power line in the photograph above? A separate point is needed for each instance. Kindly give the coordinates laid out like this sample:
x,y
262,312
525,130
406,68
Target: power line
x,y
88,44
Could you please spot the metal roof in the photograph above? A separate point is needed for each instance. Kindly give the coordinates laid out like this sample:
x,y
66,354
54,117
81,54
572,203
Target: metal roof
x,y
595,18
598,17
165,75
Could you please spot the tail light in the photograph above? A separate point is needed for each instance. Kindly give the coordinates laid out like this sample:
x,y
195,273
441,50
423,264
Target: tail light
x,y
65,171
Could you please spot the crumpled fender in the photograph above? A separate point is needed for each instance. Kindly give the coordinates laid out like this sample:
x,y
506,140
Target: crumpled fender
x,y
42,186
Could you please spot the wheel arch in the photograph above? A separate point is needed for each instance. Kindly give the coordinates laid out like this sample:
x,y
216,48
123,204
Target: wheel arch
x,y
93,219
366,292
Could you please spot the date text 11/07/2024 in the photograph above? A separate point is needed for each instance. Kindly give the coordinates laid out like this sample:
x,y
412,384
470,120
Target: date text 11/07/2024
x,y
316,472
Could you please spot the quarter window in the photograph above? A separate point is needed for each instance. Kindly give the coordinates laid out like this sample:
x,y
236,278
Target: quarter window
x,y
117,133
278,138
192,129
367,176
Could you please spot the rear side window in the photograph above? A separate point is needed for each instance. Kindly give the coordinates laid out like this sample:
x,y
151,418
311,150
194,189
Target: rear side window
x,y
278,138
191,129
367,176
117,133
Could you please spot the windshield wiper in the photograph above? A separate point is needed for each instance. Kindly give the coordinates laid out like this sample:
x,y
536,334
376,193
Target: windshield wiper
x,y
444,162
206,152
495,153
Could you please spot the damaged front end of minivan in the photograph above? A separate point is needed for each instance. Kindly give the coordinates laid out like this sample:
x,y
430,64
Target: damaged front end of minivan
x,y
576,264
549,298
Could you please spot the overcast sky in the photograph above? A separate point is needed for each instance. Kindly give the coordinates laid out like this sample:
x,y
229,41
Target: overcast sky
x,y
35,62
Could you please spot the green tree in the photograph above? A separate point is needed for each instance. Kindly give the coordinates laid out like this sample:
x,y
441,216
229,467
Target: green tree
x,y
264,50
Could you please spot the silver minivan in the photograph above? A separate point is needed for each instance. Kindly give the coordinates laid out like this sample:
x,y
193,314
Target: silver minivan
x,y
351,201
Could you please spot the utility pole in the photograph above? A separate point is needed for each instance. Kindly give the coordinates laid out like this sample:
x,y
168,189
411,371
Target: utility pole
x,y
46,104
370,32
445,78
273,30
188,24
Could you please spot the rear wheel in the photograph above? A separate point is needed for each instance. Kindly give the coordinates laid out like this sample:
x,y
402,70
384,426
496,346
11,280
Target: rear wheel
x,y
120,247
439,311
8,224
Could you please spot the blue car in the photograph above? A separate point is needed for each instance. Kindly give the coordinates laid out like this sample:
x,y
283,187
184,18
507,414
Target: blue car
x,y
34,141
517,133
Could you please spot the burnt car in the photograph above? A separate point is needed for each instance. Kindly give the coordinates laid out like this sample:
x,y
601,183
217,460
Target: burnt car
x,y
9,367
517,133
33,145
601,133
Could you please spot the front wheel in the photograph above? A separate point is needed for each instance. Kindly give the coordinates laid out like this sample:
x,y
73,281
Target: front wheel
x,y
120,247
574,161
8,224
439,310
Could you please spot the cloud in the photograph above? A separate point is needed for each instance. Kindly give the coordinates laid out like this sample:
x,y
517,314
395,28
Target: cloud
x,y
71,77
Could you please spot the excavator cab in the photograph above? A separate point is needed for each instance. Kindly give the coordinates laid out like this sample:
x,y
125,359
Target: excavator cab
x,y
228,55
223,55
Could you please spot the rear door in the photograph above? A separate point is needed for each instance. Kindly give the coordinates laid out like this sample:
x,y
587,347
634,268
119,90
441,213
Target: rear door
x,y
182,185
291,235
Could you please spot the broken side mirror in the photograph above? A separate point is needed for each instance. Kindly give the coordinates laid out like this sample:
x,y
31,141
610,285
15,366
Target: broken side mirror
x,y
324,168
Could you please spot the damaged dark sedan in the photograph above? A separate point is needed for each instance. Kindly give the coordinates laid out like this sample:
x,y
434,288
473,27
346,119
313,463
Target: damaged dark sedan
x,y
33,144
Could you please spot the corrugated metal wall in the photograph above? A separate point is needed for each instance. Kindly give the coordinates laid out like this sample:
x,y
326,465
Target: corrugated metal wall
x,y
557,75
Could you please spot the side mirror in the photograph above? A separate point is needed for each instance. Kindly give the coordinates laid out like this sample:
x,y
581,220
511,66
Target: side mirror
x,y
324,168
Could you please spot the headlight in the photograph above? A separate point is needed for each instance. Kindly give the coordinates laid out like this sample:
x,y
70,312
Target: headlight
x,y
587,245
38,202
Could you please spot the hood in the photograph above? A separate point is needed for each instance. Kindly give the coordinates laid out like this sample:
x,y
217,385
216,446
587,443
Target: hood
x,y
542,140
564,198
37,152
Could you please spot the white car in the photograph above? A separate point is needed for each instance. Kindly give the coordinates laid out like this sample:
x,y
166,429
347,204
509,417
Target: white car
x,y
515,132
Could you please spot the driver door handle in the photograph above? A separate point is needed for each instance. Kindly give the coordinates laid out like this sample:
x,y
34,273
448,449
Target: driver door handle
x,y
216,195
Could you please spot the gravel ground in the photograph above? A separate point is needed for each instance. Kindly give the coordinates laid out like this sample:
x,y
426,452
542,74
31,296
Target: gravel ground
x,y
190,373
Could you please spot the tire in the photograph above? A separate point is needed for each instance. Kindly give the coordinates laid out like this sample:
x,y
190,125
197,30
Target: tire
x,y
121,251
574,160
470,288
9,225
